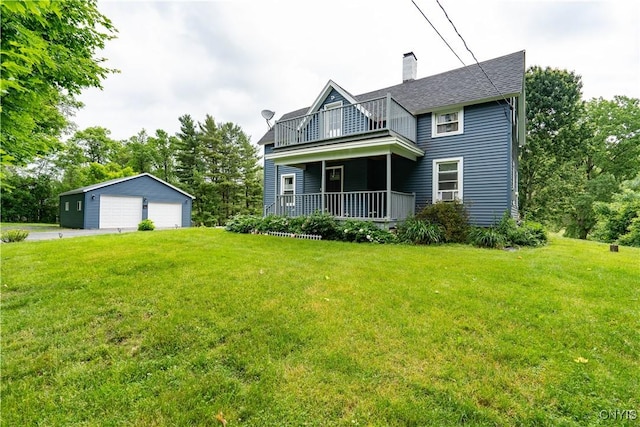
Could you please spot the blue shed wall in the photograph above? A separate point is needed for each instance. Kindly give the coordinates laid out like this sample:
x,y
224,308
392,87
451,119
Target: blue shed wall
x,y
144,186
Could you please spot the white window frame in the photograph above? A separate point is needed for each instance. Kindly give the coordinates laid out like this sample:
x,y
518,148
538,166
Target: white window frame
x,y
66,206
283,177
434,123
436,192
79,205
332,131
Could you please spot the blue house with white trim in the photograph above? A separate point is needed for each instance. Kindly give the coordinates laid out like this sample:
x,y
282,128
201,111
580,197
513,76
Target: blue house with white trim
x,y
382,155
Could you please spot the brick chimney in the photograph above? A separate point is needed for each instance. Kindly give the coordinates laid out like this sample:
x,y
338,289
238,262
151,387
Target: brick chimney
x,y
409,67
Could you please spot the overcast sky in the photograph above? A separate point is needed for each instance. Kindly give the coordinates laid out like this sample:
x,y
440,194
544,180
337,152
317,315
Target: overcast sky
x,y
232,59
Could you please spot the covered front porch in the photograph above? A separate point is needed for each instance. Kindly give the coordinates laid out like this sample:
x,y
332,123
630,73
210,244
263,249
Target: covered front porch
x,y
363,180
380,206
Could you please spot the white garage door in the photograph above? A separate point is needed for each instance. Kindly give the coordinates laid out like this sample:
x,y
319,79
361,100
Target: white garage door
x,y
120,212
165,214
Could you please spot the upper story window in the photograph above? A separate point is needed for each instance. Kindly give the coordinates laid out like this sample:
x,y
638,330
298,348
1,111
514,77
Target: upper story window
x,y
447,123
333,119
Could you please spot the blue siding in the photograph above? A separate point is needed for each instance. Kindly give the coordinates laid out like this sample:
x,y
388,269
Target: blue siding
x,y
485,149
269,178
272,185
334,96
312,178
144,186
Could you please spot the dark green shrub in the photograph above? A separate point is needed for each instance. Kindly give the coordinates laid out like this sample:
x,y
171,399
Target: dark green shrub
x,y
11,236
507,226
526,234
321,224
452,216
420,232
363,231
486,238
274,223
146,225
243,223
295,224
632,238
535,232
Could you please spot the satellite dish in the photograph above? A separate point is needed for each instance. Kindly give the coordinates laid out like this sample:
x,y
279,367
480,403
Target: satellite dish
x,y
268,115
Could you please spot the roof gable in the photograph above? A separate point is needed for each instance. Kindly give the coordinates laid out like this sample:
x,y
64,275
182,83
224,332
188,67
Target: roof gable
x,y
328,88
118,181
456,88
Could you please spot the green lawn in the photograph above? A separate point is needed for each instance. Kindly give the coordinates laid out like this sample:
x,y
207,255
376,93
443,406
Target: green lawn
x,y
29,226
173,327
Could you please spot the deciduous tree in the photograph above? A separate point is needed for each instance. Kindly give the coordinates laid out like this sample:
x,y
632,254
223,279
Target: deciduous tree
x,y
48,50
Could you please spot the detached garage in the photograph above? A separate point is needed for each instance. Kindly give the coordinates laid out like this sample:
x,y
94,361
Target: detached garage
x,y
124,202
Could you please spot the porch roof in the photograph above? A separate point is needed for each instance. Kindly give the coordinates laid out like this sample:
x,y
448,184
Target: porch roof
x,y
388,144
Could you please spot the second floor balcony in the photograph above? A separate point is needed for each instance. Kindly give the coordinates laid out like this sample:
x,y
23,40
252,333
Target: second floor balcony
x,y
338,121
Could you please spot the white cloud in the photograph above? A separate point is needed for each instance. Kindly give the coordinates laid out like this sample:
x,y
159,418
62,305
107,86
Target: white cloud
x,y
233,59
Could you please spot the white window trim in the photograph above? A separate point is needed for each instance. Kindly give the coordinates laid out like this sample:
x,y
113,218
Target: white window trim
x,y
282,179
66,206
434,184
327,129
434,123
79,205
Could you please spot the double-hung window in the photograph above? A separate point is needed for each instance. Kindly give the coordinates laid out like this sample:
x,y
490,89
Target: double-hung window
x,y
447,123
447,179
288,189
333,119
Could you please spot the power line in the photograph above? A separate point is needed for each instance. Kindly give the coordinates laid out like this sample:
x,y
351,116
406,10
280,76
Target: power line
x,y
438,32
467,47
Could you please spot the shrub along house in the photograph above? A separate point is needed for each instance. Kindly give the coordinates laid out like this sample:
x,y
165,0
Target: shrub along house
x,y
382,154
124,202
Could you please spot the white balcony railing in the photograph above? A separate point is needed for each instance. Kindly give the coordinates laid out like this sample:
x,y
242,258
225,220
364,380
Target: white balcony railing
x,y
367,205
360,118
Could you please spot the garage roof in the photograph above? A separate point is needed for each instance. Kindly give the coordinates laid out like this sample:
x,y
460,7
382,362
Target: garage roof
x,y
119,180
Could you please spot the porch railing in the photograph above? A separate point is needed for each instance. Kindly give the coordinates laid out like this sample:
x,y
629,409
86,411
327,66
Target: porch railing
x,y
369,205
360,118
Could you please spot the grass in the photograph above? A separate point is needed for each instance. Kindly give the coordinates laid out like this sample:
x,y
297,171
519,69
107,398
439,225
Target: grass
x,y
173,327
29,226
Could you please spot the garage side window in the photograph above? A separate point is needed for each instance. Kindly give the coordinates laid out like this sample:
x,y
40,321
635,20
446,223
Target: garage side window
x,y
66,206
79,205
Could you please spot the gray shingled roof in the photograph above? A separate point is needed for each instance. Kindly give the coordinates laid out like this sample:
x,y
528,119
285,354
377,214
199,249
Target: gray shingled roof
x,y
462,86
119,180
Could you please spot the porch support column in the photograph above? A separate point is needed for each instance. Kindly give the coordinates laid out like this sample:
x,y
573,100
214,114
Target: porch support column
x,y
275,191
388,186
322,184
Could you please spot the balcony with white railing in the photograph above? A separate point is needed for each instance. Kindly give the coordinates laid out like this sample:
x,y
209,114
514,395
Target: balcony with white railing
x,y
362,118
366,205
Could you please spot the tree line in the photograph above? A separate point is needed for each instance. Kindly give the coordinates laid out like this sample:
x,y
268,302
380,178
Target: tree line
x,y
580,166
215,162
579,169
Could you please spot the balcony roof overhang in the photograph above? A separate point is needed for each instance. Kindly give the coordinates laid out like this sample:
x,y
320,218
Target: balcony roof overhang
x,y
390,144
